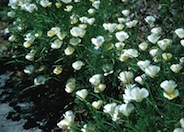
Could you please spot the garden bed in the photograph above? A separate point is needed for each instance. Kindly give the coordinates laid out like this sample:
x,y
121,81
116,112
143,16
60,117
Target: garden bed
x,y
106,64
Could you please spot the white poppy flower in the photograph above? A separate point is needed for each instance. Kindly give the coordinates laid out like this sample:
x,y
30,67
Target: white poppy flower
x,y
30,56
182,122
110,108
29,69
68,120
96,4
182,42
153,38
150,20
100,88
154,52
125,76
69,50
176,68
131,53
58,70
95,79
164,43
77,32
70,87
143,64
143,46
126,109
152,70
56,44
119,45
39,80
156,30
45,3
66,1
168,86
166,56
180,33
77,65
75,41
82,93
172,95
97,104
98,41
122,36
178,130
125,12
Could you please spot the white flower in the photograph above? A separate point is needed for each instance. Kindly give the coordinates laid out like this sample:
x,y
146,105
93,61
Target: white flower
x,y
120,27
61,35
68,8
91,11
126,109
58,70
153,38
150,20
121,20
11,14
135,94
110,108
30,56
154,52
140,79
39,80
75,41
45,3
30,8
122,36
166,56
96,4
87,128
58,5
82,93
27,44
98,41
143,64
131,53
68,120
152,70
119,45
70,87
182,42
178,130
77,32
111,27
97,104
95,79
53,31
131,24
182,122
66,1
125,76
91,21
77,65
56,44
143,46
125,12
168,86
156,30
164,43
180,33
176,68
69,50
99,88
29,69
